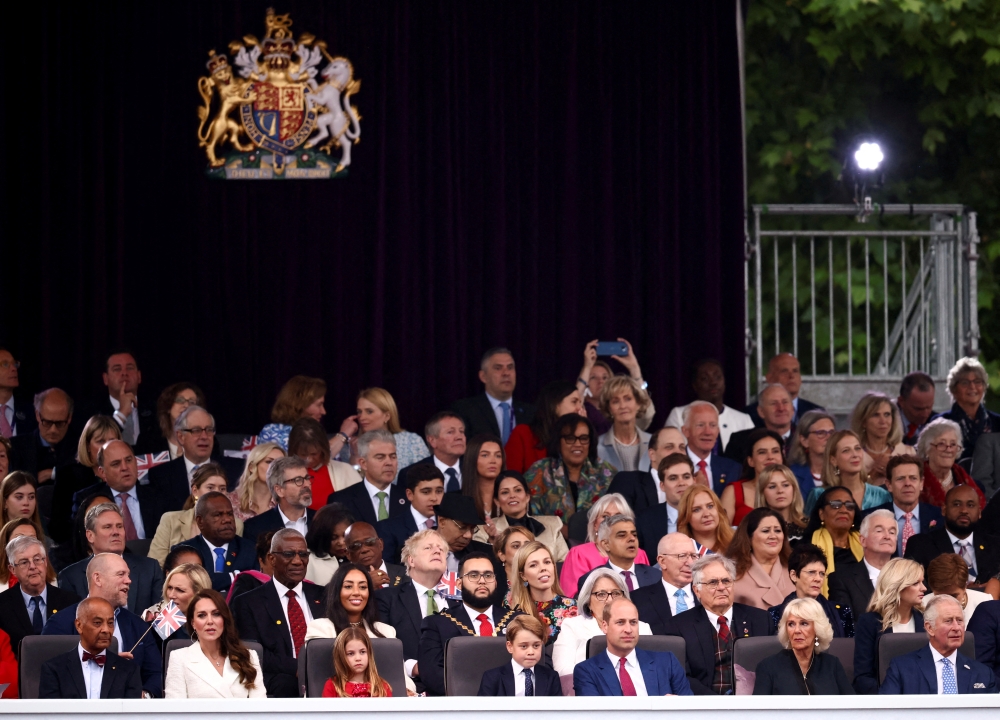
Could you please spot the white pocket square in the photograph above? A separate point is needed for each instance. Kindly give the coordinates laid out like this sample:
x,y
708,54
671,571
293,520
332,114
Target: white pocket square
x,y
979,685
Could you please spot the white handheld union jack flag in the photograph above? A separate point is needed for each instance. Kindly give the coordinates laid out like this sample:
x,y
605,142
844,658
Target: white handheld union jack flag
x,y
145,463
169,620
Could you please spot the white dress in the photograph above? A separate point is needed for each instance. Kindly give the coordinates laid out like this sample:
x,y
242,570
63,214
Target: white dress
x,y
191,675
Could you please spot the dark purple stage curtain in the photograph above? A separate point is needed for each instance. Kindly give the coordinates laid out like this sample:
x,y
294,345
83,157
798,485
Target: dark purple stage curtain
x,y
532,174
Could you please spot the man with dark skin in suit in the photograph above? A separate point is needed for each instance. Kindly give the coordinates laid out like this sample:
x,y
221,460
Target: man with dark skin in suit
x,y
95,621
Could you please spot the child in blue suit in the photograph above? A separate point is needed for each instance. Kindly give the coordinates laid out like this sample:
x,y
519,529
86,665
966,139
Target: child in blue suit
x,y
522,676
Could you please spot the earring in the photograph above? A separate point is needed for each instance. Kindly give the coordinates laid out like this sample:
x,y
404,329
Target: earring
x,y
525,583
816,642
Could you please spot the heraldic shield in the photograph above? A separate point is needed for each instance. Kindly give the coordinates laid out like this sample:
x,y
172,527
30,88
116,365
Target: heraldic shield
x,y
279,119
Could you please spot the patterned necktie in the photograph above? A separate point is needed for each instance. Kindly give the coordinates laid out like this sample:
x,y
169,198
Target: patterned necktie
x,y
99,659
529,683
220,560
5,429
37,621
432,606
506,429
452,485
130,532
485,626
723,629
907,529
682,604
628,580
296,621
948,684
965,550
628,689
383,510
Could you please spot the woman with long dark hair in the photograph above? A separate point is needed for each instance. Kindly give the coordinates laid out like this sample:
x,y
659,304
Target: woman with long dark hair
x,y
484,460
350,602
529,443
511,498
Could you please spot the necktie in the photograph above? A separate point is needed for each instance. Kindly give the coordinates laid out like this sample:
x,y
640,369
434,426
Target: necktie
x,y
99,659
529,684
628,580
948,684
723,629
429,522
628,689
702,470
130,533
37,621
432,606
485,626
5,429
506,429
383,510
452,485
220,560
965,550
907,529
296,621
911,433
130,431
682,604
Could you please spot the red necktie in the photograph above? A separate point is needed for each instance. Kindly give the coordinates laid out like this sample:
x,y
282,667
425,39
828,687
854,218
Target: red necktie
x,y
130,532
702,468
628,689
723,629
485,626
297,621
912,432
99,659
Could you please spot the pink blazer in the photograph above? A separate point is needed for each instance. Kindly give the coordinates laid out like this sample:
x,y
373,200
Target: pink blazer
x,y
760,590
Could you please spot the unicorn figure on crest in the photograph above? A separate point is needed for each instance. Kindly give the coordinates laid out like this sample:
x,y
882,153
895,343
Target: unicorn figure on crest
x,y
339,120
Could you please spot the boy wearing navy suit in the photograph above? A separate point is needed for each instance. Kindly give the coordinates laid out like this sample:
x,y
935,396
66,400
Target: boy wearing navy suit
x,y
522,676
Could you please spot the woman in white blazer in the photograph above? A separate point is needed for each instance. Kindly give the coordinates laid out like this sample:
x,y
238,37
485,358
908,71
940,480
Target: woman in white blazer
x,y
216,664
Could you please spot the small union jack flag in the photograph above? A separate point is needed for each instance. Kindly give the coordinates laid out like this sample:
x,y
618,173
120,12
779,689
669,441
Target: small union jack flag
x,y
249,442
450,585
145,463
169,620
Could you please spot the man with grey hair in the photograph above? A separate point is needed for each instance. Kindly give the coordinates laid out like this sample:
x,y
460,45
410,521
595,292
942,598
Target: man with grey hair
x,y
659,602
783,369
27,607
711,628
701,428
939,668
195,433
291,486
376,497
619,542
445,436
777,411
49,445
853,584
118,470
495,411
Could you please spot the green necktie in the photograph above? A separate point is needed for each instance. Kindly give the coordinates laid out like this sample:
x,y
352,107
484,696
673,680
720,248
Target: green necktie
x,y
383,511
432,606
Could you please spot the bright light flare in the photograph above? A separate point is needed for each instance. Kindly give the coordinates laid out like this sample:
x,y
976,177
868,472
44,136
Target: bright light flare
x,y
869,156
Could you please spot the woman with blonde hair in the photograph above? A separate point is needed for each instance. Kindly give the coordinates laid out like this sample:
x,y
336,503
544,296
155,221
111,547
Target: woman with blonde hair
x,y
301,396
844,466
700,516
895,607
252,496
535,590
624,446
181,584
376,410
876,421
778,489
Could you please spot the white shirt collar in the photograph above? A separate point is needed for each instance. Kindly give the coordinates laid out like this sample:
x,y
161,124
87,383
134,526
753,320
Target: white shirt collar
x,y
212,548
304,520
419,519
873,571
953,539
443,468
617,569
282,590
938,656
80,651
631,661
474,614
372,490
671,589
494,403
695,459
901,514
714,619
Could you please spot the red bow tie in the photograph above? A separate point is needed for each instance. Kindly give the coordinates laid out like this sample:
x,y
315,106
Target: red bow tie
x,y
99,659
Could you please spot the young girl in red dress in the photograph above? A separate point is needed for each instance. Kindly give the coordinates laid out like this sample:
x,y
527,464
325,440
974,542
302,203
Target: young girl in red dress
x,y
354,671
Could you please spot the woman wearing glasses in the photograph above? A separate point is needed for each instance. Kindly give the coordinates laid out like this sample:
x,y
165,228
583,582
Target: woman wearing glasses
x,y
174,400
807,571
833,528
877,422
939,446
844,466
602,586
807,449
967,383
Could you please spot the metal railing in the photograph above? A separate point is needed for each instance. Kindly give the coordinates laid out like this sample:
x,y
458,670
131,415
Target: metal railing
x,y
860,302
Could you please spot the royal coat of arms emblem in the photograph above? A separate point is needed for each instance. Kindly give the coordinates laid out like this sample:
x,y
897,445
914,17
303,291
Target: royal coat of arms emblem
x,y
284,113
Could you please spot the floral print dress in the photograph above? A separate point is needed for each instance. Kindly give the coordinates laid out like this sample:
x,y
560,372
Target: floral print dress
x,y
550,489
553,612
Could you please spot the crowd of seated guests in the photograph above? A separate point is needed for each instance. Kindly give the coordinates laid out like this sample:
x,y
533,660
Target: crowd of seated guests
x,y
551,525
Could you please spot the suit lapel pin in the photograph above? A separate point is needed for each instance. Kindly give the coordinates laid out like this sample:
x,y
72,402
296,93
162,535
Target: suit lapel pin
x,y
981,547
402,501
277,622
228,563
966,667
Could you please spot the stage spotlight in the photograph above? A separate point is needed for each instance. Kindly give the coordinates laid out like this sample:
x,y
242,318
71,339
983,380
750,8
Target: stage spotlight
x,y
869,156
863,173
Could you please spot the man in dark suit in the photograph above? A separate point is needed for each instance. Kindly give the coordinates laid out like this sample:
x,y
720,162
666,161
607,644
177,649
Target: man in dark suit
x,y
783,369
525,675
105,530
290,483
16,416
852,585
109,580
642,489
223,553
623,669
916,405
139,424
445,436
777,412
364,548
660,602
376,497
405,606
90,670
481,613
619,541
701,428
939,668
424,491
959,535
985,627
276,613
676,474
47,446
457,522
27,607
495,411
710,629
905,480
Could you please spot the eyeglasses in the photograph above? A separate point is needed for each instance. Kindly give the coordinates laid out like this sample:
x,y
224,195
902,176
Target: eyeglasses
x,y
7,364
682,556
821,433
603,595
181,400
971,382
837,504
480,577
370,542
462,527
196,431
58,424
715,584
290,555
945,446
297,481
38,560
820,574
576,439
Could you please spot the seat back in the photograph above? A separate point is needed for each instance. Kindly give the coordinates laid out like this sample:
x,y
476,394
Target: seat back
x,y
467,658
843,650
893,645
317,660
650,643
749,651
170,645
36,650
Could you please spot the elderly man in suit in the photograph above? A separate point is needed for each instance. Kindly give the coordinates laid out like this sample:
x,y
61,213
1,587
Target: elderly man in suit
x,y
711,628
676,474
939,668
701,428
223,553
852,585
905,481
445,436
624,670
364,548
660,602
108,579
46,447
276,614
290,484
777,411
916,405
495,411
643,489
105,530
618,540
783,369
90,670
376,497
424,490
27,607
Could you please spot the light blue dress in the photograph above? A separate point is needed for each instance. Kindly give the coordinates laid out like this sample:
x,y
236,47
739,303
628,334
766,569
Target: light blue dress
x,y
874,496
276,433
